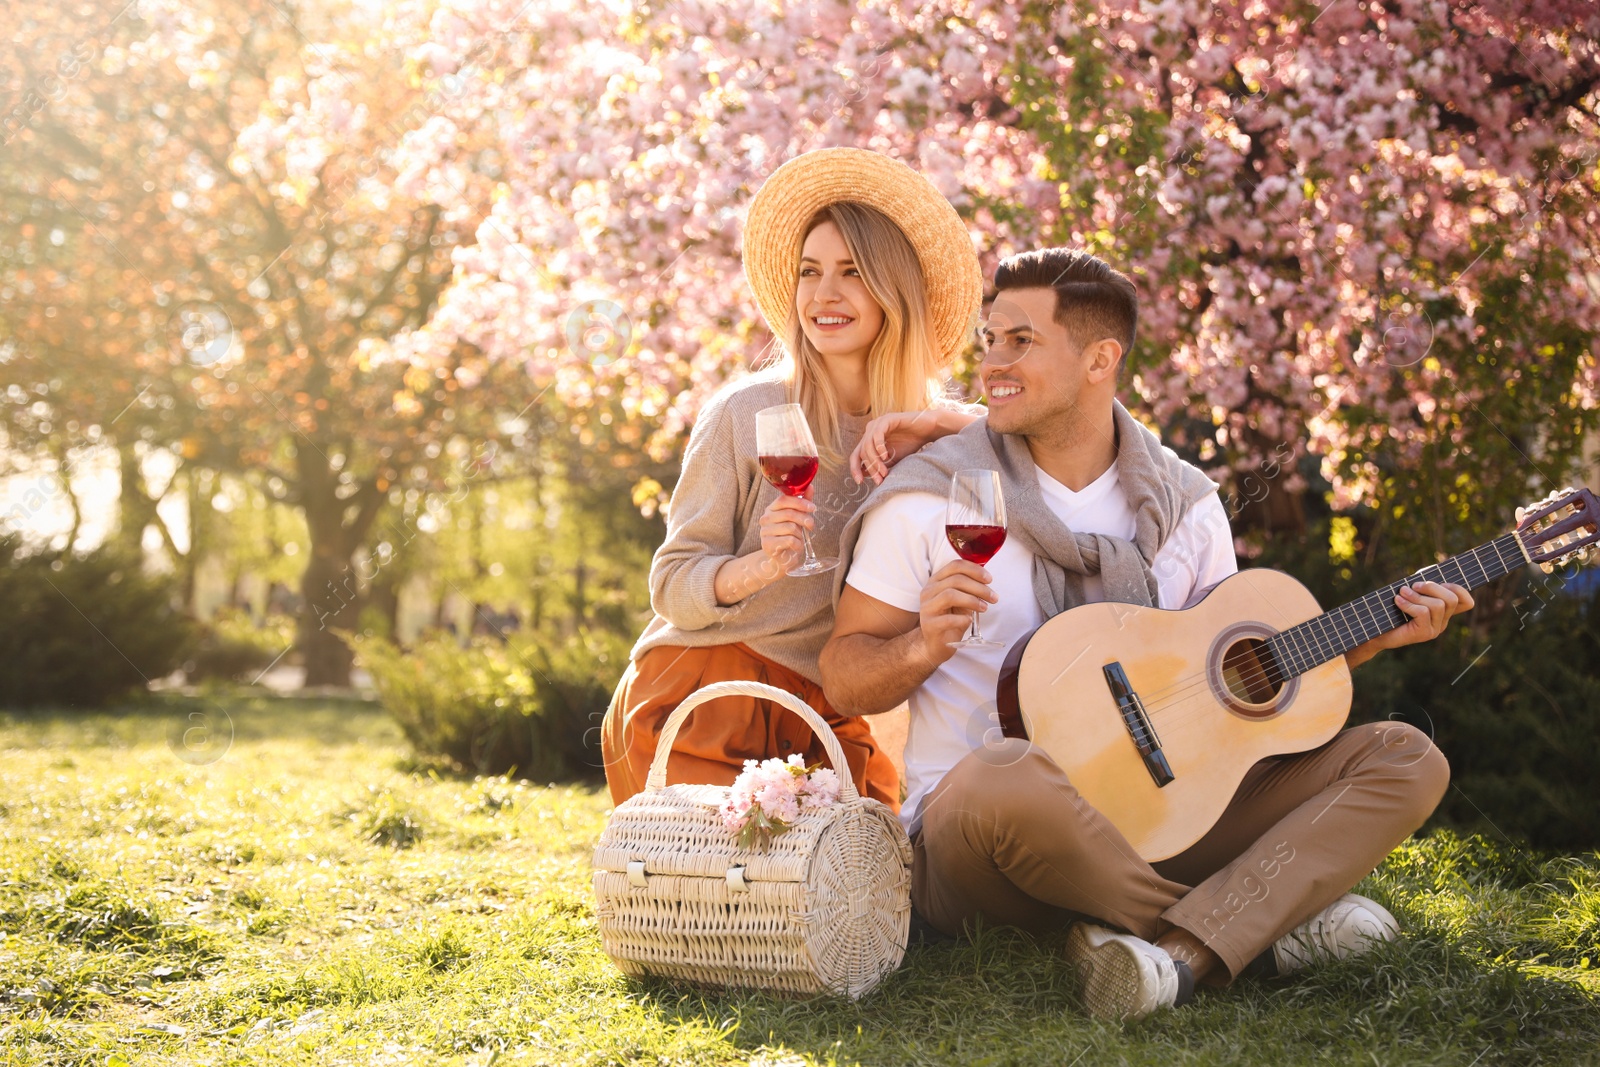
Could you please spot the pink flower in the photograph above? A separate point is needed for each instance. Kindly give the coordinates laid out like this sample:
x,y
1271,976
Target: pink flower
x,y
822,788
769,797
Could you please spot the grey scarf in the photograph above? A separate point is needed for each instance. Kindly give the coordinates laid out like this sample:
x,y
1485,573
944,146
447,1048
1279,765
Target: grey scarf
x,y
1159,485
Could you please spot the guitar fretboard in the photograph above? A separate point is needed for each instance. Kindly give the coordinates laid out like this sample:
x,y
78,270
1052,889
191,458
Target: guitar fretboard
x,y
1333,633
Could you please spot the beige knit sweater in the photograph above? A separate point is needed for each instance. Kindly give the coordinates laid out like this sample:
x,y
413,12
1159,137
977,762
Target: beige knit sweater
x,y
714,517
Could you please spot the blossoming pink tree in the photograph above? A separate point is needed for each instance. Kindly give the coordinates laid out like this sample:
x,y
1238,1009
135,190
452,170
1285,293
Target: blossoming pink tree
x,y
1364,230
207,228
629,146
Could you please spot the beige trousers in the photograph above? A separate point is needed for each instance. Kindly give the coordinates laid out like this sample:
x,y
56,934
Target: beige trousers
x,y
1005,837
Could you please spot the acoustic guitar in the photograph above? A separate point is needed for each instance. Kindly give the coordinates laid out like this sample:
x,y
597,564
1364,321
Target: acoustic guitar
x,y
1155,716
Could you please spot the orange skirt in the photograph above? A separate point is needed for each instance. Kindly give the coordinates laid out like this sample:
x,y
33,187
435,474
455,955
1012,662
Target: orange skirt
x,y
718,737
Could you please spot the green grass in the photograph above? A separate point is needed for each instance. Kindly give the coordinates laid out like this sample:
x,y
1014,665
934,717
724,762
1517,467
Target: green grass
x,y
308,897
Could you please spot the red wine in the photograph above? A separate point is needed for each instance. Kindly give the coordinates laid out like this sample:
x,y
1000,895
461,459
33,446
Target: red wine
x,y
976,544
790,473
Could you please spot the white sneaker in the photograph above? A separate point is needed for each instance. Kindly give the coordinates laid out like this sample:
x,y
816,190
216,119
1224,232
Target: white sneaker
x,y
1348,927
1125,977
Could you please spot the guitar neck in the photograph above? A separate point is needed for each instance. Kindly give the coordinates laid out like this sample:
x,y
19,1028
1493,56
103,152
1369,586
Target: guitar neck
x,y
1333,633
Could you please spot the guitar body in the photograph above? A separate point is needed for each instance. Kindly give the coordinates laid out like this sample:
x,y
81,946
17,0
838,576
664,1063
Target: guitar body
x,y
1202,686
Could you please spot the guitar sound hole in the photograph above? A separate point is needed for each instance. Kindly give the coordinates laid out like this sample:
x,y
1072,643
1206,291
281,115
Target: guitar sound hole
x,y
1244,672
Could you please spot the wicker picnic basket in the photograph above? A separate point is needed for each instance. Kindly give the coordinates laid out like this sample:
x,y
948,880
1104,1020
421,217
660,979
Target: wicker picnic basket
x,y
822,907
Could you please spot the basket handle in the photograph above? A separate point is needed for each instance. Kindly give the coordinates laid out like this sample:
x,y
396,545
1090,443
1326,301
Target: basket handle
x,y
669,732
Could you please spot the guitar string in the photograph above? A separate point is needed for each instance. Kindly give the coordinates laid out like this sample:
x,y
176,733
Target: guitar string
x,y
1181,690
1176,690
1172,696
1346,616
1170,699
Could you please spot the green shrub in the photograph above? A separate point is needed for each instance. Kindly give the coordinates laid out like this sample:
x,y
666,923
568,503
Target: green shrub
x,y
522,707
233,647
1516,714
82,631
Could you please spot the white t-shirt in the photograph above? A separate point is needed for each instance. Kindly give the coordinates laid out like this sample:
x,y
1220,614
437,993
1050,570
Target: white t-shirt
x,y
902,545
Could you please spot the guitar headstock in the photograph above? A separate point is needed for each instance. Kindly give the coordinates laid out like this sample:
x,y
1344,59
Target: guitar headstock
x,y
1562,526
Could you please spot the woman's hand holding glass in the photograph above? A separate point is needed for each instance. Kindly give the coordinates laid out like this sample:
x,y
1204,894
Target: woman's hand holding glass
x,y
783,528
788,457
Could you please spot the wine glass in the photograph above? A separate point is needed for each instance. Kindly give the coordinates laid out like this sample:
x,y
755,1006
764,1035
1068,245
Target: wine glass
x,y
975,523
789,461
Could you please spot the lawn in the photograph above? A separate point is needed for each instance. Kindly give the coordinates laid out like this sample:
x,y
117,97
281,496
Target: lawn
x,y
306,894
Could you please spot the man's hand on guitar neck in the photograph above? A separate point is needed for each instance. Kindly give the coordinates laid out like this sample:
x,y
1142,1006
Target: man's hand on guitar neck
x,y
1430,605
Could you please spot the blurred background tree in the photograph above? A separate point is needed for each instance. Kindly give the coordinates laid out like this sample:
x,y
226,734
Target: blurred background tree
x,y
222,288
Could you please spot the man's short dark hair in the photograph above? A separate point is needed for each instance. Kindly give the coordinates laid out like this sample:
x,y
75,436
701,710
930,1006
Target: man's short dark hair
x,y
1093,300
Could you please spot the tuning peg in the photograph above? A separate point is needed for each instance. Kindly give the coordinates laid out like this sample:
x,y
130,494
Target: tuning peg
x,y
1520,513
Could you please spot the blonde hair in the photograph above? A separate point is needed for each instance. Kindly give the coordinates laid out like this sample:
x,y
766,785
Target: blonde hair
x,y
903,364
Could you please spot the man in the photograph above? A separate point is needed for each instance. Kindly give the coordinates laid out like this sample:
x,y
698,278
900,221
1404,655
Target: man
x,y
1099,510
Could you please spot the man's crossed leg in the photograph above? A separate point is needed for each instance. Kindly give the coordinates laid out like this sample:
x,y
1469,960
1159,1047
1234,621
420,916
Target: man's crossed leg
x,y
1006,837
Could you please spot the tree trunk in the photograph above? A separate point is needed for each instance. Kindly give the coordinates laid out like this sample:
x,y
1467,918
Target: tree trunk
x,y
64,476
1262,498
135,509
383,593
1278,514
330,588
198,492
331,599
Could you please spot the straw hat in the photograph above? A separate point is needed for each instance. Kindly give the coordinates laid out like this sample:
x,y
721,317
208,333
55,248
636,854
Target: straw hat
x,y
810,182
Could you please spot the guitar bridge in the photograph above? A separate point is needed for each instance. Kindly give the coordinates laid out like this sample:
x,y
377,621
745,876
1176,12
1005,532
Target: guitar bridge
x,y
1137,721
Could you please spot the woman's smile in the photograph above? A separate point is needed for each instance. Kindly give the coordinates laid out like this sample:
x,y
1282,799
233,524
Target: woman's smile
x,y
831,323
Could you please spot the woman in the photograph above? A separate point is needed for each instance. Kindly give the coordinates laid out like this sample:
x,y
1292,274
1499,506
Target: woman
x,y
867,275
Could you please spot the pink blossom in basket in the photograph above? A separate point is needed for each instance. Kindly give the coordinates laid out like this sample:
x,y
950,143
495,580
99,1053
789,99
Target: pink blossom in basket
x,y
767,798
822,788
